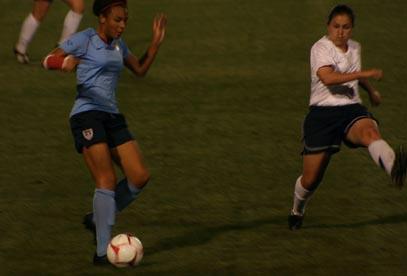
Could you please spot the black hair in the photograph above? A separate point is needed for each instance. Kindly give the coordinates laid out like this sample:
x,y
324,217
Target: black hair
x,y
100,6
342,9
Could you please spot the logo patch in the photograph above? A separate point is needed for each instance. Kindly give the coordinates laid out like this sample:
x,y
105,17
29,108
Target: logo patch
x,y
88,134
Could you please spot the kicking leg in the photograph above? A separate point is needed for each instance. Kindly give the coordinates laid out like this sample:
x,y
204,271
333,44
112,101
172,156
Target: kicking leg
x,y
128,156
366,133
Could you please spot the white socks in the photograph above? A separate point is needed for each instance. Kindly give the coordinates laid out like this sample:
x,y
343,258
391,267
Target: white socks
x,y
382,154
28,29
379,150
71,24
30,26
301,197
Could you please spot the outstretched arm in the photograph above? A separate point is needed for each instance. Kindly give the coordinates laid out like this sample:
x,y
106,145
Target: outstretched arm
x,y
140,66
59,60
329,76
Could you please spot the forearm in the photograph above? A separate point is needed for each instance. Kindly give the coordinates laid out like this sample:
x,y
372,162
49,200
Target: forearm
x,y
334,78
147,59
141,66
330,77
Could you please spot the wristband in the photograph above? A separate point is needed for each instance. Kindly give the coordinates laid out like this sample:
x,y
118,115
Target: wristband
x,y
53,62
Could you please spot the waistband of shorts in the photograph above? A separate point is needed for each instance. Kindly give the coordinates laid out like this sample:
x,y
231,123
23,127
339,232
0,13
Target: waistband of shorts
x,y
332,107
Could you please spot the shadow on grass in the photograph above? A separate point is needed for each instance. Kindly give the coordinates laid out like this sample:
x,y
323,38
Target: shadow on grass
x,y
395,219
205,234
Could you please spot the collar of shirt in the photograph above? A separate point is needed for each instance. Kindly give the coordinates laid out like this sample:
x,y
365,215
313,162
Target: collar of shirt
x,y
99,43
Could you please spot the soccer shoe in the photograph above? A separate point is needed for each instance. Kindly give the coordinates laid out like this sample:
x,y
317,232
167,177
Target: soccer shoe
x,y
21,58
295,221
90,225
100,260
398,171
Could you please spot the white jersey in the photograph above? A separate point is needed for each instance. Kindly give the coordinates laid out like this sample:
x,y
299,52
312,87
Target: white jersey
x,y
325,53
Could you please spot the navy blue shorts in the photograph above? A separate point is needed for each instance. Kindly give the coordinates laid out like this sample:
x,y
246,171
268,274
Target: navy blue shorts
x,y
92,127
326,127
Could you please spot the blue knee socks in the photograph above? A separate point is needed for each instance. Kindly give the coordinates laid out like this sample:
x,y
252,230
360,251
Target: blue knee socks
x,y
126,192
105,205
104,208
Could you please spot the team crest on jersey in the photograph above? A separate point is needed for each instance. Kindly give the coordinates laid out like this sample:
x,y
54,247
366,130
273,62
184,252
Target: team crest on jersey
x,y
88,134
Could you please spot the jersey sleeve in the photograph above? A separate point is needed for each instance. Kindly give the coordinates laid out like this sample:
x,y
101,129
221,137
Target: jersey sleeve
x,y
76,44
321,56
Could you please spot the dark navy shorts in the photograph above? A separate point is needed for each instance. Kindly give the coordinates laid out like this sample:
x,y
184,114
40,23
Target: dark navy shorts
x,y
326,127
92,127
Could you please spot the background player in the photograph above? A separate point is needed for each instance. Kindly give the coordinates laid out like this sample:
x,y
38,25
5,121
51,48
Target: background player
x,y
336,113
37,15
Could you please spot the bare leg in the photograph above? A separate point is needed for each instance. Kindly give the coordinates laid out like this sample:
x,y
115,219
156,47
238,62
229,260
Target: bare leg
x,y
128,156
366,133
363,132
40,9
100,164
314,167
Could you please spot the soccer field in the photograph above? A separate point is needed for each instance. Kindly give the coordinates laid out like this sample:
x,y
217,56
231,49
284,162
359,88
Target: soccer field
x,y
218,119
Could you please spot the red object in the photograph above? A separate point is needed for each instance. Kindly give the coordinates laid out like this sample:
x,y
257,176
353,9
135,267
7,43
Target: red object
x,y
53,62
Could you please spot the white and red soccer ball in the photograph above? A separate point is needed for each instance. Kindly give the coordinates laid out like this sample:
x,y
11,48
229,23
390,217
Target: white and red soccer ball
x,y
125,250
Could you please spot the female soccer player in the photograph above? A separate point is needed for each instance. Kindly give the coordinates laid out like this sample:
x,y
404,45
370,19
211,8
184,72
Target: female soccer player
x,y
33,20
336,113
100,131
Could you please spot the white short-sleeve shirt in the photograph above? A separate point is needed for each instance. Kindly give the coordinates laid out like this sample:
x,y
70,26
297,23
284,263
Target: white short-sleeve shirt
x,y
325,53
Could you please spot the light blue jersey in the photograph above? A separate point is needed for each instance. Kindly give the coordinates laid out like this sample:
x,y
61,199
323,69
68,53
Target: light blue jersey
x,y
98,71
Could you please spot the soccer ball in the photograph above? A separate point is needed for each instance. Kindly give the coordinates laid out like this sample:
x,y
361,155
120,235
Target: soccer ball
x,y
125,250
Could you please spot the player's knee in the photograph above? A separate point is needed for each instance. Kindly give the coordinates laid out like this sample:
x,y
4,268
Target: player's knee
x,y
141,178
369,135
40,10
39,16
77,6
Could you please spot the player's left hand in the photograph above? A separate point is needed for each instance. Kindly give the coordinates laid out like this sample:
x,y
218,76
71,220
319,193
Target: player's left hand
x,y
375,98
159,25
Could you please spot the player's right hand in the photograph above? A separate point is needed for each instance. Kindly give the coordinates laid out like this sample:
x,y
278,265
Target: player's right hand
x,y
376,74
70,63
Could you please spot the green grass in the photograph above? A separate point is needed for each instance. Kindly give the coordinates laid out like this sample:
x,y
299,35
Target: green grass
x,y
219,121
